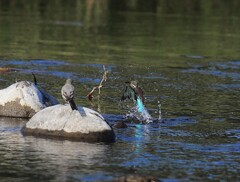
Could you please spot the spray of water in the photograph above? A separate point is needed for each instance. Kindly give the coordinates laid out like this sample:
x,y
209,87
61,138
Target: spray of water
x,y
140,112
159,111
140,106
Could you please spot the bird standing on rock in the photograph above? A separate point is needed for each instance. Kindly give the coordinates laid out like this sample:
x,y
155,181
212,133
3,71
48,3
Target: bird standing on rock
x,y
68,94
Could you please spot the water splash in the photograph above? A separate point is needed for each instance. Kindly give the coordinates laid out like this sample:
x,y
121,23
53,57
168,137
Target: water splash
x,y
140,106
140,113
159,111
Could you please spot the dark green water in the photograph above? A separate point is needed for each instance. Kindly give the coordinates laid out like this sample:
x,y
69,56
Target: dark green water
x,y
185,55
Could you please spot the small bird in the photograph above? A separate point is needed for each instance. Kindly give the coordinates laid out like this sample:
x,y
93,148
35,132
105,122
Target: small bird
x,y
68,94
132,91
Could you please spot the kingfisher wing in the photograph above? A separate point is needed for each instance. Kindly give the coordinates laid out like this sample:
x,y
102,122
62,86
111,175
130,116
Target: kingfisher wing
x,y
129,93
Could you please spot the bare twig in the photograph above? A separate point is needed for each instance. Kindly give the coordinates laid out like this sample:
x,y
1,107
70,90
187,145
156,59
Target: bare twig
x,y
104,79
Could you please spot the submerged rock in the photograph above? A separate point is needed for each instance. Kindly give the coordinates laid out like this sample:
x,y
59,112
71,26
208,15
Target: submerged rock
x,y
121,124
23,99
61,122
136,178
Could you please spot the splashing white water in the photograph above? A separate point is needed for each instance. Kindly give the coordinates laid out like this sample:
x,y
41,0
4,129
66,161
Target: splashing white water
x,y
159,111
140,113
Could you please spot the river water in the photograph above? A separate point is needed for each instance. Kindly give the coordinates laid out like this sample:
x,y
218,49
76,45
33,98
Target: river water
x,y
184,55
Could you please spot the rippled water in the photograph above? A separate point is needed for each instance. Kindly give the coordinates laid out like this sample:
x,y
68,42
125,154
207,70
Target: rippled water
x,y
189,61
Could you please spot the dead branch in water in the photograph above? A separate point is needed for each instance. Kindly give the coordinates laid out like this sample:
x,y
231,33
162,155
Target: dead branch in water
x,y
104,79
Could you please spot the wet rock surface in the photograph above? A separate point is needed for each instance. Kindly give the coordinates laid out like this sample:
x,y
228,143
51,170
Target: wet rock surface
x,y
60,122
136,178
120,124
15,109
23,99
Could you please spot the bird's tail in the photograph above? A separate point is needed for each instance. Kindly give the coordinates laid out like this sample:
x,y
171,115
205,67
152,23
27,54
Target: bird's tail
x,y
34,78
72,104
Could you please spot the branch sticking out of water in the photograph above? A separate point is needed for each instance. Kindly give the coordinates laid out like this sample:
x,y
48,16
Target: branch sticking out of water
x,y
104,79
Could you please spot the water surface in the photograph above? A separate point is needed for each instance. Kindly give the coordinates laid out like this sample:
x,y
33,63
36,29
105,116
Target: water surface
x,y
184,55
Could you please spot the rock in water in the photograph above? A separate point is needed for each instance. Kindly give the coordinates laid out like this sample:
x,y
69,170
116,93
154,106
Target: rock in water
x,y
136,178
120,124
61,122
23,99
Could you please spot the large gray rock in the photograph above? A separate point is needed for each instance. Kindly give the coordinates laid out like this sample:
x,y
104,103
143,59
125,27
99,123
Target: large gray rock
x,y
23,99
61,122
